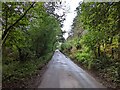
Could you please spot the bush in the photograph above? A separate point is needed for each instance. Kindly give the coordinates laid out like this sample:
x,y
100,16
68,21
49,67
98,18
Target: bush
x,y
85,59
19,71
66,47
101,63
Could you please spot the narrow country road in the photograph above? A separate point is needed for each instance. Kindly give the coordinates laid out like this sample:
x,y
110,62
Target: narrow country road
x,y
63,73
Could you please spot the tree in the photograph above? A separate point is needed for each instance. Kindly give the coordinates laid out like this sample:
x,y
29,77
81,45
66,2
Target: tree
x,y
96,30
31,31
13,9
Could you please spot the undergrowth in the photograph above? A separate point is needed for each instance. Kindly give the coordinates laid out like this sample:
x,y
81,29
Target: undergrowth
x,y
16,71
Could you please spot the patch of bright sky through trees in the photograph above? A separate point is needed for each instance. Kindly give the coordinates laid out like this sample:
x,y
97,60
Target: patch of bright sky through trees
x,y
69,7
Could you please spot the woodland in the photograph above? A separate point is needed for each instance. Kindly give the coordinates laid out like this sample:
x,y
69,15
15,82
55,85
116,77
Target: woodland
x,y
31,32
94,41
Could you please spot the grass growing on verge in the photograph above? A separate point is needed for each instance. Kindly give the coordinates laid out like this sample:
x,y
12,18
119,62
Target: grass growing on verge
x,y
16,71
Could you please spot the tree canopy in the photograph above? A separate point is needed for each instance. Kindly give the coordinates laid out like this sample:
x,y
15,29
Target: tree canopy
x,y
30,34
96,38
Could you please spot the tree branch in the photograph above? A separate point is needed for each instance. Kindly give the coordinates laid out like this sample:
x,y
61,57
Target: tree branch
x,y
8,29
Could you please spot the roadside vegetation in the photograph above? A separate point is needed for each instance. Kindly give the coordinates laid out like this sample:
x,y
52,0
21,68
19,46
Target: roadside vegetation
x,y
95,40
29,39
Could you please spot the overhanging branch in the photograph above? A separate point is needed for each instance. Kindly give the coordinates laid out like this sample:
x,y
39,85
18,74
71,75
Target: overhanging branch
x,y
8,29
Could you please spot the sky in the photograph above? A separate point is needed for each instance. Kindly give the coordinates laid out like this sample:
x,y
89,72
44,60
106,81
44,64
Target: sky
x,y
69,7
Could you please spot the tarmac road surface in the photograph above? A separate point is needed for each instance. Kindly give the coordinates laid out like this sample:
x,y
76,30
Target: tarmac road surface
x,y
63,73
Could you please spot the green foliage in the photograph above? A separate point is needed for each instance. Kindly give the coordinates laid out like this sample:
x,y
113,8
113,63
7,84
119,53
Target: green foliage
x,y
16,70
27,44
34,38
65,46
96,39
85,57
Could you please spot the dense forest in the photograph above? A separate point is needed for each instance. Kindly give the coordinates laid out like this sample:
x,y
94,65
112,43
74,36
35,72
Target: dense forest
x,y
30,33
94,41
